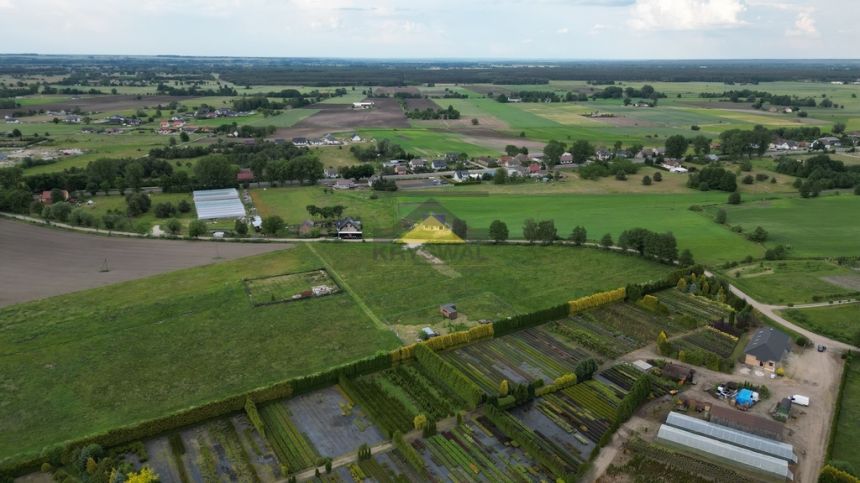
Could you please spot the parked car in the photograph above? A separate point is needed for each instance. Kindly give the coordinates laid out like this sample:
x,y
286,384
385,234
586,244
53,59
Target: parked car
x,y
822,348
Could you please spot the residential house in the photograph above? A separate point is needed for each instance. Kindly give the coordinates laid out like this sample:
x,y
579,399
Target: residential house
x,y
356,138
300,142
348,229
829,142
565,158
330,173
462,175
417,163
767,348
673,165
400,169
522,159
534,169
449,311
506,161
515,171
245,175
47,199
603,155
306,228
438,165
344,184
330,140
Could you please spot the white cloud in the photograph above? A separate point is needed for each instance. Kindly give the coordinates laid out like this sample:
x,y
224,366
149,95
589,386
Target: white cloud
x,y
686,14
804,26
562,30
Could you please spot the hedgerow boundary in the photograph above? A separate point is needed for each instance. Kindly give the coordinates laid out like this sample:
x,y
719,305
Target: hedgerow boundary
x,y
21,464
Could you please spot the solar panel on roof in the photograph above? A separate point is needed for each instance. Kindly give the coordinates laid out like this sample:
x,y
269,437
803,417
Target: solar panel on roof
x,y
726,451
734,436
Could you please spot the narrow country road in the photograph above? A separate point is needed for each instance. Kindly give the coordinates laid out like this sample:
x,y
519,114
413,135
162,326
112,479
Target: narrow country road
x,y
771,311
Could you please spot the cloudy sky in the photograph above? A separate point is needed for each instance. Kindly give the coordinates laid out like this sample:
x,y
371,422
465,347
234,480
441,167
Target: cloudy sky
x,y
524,29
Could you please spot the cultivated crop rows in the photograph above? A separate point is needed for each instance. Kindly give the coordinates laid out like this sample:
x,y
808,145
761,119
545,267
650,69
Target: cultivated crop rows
x,y
712,341
699,307
290,445
519,358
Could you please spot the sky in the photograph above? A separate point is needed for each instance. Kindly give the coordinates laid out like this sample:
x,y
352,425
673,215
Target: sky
x,y
480,29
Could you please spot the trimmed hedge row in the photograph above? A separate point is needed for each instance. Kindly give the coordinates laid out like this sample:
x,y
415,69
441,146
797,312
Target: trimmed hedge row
x,y
450,376
636,291
832,438
524,321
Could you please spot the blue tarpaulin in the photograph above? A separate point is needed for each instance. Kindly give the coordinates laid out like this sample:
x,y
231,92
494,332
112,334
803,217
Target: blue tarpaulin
x,y
744,397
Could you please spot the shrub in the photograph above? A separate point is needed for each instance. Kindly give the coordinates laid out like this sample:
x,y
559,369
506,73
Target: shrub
x,y
164,210
173,226
658,176
197,228
721,217
183,206
735,198
137,203
802,341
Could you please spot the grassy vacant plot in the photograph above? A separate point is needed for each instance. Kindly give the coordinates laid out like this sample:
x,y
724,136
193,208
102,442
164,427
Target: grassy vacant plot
x,y
490,282
139,350
825,226
283,288
839,322
846,446
103,204
792,281
427,143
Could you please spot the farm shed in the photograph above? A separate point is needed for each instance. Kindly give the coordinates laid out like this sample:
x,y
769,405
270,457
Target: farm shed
x,y
733,436
449,311
678,373
726,451
218,204
642,365
766,348
743,421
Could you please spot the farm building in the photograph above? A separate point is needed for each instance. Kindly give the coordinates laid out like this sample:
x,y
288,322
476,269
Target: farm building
x,y
683,375
745,421
766,348
218,204
449,311
245,175
47,198
362,105
736,454
348,229
733,436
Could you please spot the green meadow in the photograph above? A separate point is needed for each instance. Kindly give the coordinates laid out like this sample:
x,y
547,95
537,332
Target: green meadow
x,y
837,321
790,281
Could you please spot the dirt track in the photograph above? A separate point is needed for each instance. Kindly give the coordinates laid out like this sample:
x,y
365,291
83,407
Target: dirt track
x,y
38,262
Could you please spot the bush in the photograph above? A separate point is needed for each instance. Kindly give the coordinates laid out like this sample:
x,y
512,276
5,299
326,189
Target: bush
x,y
137,203
748,179
272,225
646,180
658,176
58,211
164,210
173,226
759,235
197,228
721,217
802,341
184,206
82,217
735,198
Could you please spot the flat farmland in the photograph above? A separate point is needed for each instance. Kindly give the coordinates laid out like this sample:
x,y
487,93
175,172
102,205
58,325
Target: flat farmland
x,y
332,118
133,351
816,227
491,282
793,281
838,321
42,262
431,143
602,214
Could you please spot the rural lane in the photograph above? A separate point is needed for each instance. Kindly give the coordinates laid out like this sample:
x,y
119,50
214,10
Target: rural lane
x,y
771,312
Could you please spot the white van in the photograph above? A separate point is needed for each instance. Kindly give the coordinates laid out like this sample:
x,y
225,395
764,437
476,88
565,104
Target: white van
x,y
800,400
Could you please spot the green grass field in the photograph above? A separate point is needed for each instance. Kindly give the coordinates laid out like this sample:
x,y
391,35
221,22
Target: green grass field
x,y
401,287
601,213
789,281
846,446
825,226
138,350
428,143
839,322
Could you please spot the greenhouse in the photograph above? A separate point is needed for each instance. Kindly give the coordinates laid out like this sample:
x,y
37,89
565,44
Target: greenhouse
x,y
733,436
218,204
726,451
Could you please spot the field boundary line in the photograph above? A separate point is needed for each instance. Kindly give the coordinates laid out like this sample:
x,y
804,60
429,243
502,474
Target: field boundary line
x,y
373,317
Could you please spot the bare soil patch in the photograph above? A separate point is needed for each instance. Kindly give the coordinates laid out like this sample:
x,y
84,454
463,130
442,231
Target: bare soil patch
x,y
102,104
386,113
420,104
42,262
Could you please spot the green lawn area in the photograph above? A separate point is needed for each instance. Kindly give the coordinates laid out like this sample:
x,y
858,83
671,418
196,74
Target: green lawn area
x,y
841,322
82,363
846,446
484,281
824,226
790,281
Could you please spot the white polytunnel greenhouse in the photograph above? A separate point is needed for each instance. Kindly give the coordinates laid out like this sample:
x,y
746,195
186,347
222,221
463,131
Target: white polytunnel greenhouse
x,y
735,454
733,436
218,204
